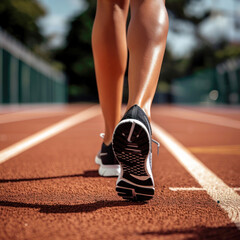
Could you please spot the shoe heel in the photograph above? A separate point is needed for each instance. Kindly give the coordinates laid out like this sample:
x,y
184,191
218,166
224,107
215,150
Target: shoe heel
x,y
132,192
132,146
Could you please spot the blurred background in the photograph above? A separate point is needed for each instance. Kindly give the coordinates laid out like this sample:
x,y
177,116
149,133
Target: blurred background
x,y
46,56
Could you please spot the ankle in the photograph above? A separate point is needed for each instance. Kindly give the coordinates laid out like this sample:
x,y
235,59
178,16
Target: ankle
x,y
107,140
144,107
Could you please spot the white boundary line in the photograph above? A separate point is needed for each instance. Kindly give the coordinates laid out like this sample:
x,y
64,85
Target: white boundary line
x,y
48,132
23,116
201,117
31,113
228,199
194,189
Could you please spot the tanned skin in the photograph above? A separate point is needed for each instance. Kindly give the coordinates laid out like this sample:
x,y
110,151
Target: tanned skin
x,y
145,40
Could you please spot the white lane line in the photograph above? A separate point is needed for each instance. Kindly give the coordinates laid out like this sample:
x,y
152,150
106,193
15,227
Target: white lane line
x,y
16,117
32,113
215,187
16,108
201,117
48,132
194,189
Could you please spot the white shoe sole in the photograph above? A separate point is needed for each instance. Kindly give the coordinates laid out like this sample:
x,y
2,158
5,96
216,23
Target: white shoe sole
x,y
107,170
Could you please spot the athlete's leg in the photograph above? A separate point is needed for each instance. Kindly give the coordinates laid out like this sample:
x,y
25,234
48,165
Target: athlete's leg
x,y
146,40
110,58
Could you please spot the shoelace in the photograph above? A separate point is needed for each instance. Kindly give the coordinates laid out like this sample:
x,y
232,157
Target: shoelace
x,y
154,141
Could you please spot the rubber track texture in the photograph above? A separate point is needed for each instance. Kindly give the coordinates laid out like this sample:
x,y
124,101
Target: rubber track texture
x,y
131,146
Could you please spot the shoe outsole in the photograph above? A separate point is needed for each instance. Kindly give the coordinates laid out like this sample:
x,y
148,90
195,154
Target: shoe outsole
x,y
131,146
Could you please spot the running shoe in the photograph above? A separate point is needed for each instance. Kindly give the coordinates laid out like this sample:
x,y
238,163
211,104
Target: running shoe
x,y
109,166
132,146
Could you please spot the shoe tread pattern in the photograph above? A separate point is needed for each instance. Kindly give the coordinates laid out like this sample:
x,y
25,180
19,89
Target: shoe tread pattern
x,y
132,156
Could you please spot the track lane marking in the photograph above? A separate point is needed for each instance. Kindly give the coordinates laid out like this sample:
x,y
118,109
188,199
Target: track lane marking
x,y
30,114
201,117
228,199
194,189
47,133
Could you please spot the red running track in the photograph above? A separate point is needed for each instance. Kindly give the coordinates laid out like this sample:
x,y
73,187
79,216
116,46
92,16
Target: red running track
x,y
52,190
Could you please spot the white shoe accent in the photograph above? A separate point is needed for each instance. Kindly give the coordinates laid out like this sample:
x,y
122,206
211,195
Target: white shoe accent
x,y
131,132
149,169
98,160
109,170
103,154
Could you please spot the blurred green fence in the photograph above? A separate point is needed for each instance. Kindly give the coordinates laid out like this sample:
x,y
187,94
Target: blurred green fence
x,y
220,85
24,78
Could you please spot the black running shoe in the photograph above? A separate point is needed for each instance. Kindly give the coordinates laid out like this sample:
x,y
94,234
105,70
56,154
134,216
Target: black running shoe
x,y
109,166
132,146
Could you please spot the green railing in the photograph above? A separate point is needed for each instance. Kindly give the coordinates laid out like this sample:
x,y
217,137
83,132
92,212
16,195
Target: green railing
x,y
220,85
25,78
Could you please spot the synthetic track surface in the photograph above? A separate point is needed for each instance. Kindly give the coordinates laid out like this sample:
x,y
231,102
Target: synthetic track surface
x,y
53,191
